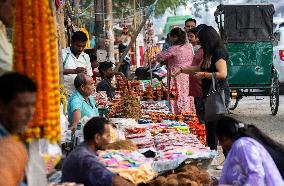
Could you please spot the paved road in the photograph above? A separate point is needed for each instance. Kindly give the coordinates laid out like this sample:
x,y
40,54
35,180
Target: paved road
x,y
258,112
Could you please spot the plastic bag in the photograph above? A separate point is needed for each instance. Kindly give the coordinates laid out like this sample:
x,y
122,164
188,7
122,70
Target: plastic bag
x,y
51,154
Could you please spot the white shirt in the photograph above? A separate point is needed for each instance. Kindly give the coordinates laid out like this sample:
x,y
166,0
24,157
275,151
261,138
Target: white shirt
x,y
72,63
195,48
6,50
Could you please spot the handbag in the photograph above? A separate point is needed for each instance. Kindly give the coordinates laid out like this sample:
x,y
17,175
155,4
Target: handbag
x,y
214,103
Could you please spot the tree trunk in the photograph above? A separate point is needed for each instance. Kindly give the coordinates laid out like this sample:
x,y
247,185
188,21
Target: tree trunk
x,y
109,30
60,35
99,23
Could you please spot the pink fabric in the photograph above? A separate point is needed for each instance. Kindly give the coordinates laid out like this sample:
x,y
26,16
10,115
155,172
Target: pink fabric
x,y
194,83
179,56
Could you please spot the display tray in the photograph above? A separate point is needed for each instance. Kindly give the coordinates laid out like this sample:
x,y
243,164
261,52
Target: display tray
x,y
163,167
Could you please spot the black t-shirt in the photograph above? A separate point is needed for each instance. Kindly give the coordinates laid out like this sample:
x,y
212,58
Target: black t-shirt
x,y
219,53
105,85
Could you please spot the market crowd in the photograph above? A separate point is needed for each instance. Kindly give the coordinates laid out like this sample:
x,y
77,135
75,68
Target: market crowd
x,y
193,56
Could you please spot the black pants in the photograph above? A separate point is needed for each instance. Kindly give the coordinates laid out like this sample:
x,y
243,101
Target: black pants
x,y
211,135
211,138
199,106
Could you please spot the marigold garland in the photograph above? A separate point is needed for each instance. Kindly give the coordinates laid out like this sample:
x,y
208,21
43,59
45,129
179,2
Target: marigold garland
x,y
88,37
35,54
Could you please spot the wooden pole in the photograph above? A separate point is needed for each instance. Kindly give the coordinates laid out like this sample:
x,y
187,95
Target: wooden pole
x,y
109,30
99,23
134,23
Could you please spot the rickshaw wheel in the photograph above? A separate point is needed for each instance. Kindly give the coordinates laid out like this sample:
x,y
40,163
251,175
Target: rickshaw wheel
x,y
274,96
233,105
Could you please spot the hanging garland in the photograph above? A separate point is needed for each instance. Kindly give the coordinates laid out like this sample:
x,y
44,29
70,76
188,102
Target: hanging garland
x,y
151,51
35,55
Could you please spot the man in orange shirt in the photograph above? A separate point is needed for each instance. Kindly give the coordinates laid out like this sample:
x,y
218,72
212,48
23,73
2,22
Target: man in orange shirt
x,y
17,105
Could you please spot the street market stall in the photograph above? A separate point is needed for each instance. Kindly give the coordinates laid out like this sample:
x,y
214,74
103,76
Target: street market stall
x,y
148,141
168,141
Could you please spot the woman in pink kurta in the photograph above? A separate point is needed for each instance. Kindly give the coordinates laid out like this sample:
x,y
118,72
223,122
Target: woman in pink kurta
x,y
177,56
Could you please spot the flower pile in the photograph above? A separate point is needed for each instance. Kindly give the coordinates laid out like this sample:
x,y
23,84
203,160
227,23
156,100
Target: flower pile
x,y
35,55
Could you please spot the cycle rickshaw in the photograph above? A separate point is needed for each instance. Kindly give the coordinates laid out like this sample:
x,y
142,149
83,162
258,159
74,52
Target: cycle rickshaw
x,y
247,31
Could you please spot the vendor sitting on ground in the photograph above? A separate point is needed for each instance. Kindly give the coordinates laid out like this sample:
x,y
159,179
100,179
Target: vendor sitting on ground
x,y
81,103
107,73
82,165
95,64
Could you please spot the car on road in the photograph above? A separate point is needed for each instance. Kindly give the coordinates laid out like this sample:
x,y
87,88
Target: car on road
x,y
278,22
278,54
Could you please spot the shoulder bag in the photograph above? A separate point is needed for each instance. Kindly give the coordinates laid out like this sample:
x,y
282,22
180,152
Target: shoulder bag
x,y
214,103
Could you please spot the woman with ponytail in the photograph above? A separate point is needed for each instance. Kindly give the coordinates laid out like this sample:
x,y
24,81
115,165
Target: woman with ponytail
x,y
253,157
179,55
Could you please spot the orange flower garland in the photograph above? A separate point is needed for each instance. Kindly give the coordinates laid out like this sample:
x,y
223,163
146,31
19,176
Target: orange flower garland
x,y
35,54
18,33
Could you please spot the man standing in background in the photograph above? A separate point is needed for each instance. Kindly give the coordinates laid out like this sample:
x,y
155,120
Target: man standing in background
x,y
75,60
189,24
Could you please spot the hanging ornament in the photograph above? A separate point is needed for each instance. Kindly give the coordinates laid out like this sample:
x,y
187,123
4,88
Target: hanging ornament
x,y
35,55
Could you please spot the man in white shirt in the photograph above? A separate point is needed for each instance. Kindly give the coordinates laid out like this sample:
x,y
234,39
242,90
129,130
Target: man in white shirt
x,y
75,60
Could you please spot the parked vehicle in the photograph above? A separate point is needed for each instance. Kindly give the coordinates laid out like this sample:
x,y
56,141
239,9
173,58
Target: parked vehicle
x,y
278,22
278,53
174,21
278,56
247,31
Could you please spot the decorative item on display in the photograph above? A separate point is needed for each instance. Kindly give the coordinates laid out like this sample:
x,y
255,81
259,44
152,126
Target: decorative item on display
x,y
140,137
154,106
101,99
35,55
131,107
133,166
149,93
154,93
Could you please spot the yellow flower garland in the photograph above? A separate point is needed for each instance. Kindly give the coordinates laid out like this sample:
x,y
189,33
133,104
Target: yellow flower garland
x,y
88,37
35,54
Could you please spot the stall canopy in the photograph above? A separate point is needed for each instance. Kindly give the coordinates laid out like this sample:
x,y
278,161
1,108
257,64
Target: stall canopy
x,y
244,23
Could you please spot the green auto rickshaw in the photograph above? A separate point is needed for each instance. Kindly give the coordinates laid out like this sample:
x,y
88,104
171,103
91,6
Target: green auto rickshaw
x,y
247,31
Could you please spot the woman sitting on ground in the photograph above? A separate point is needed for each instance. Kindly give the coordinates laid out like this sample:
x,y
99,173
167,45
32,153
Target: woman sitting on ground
x,y
253,158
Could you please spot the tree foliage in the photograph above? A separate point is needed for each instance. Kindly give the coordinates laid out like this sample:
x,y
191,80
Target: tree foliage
x,y
161,7
124,8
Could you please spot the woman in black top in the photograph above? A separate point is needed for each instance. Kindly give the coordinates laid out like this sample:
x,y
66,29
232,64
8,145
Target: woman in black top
x,y
214,60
